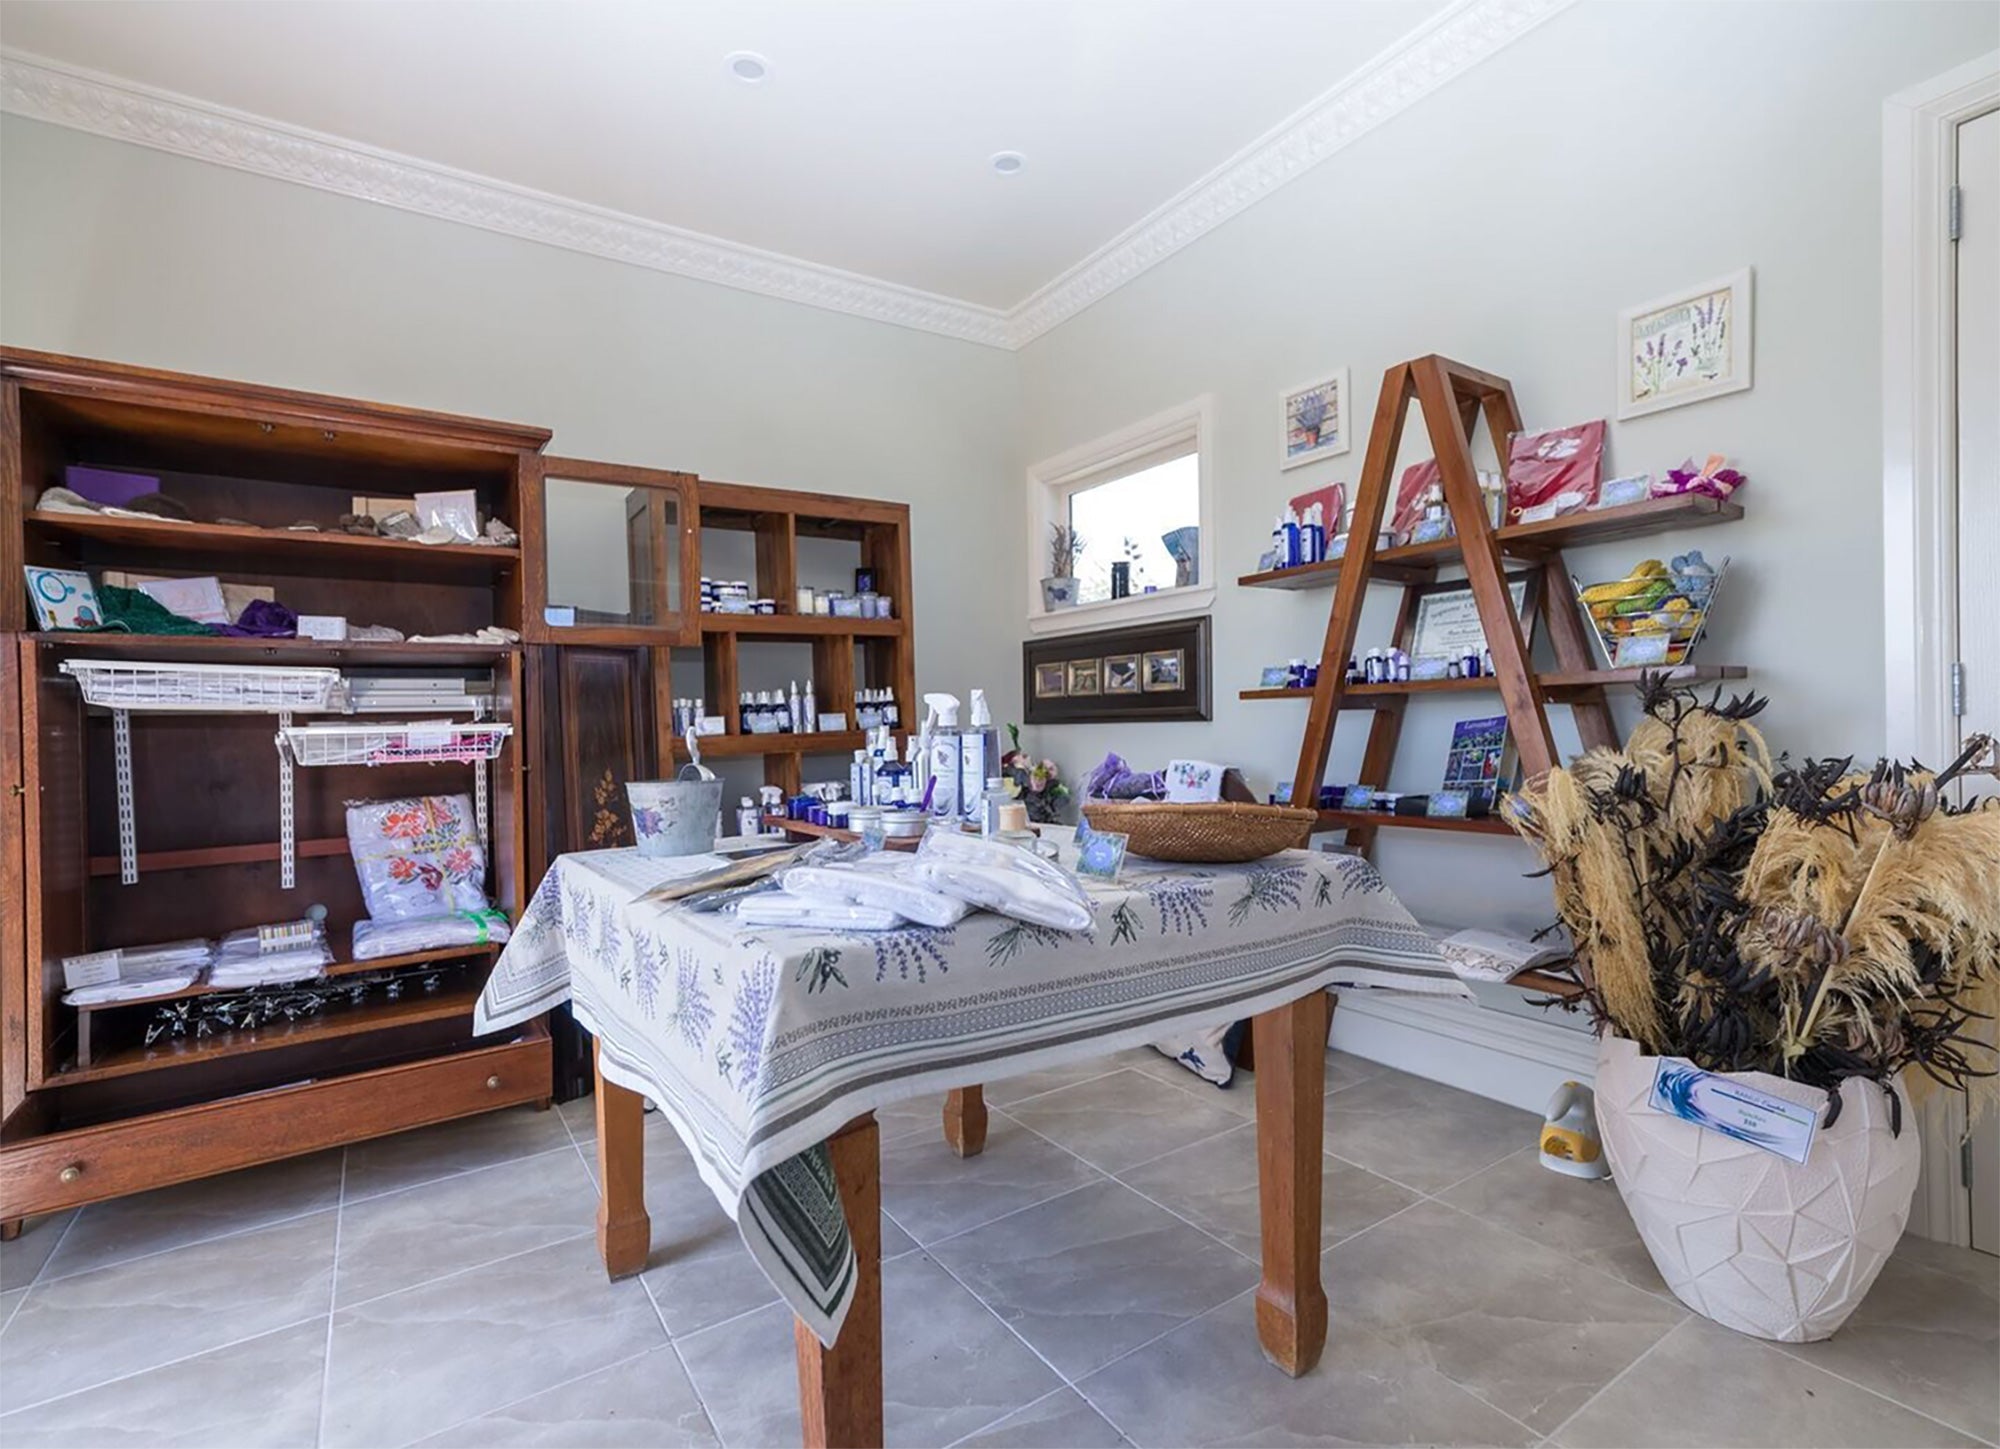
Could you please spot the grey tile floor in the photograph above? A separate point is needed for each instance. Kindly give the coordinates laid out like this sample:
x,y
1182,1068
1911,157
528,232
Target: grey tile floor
x,y
1085,1282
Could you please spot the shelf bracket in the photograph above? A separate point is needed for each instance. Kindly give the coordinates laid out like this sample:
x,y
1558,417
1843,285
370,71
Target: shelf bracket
x,y
479,798
128,822
288,865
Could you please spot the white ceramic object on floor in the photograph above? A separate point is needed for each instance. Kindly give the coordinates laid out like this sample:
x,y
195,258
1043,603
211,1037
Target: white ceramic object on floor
x,y
1764,1246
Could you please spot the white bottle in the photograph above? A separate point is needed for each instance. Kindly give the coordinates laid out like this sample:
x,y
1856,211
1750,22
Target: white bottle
x,y
781,710
990,802
945,749
979,757
748,819
859,779
809,719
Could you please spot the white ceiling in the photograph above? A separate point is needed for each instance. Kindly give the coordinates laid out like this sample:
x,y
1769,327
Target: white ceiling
x,y
867,148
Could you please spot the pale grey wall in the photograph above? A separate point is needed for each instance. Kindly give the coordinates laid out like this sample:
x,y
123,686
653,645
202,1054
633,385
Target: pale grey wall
x,y
1615,154
114,251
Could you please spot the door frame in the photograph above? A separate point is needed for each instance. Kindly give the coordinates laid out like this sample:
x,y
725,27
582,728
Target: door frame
x,y
1919,492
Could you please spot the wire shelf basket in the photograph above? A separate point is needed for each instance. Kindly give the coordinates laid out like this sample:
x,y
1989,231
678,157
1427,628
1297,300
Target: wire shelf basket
x,y
135,684
430,743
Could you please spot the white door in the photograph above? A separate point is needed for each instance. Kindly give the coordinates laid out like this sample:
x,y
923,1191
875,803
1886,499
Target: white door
x,y
1978,473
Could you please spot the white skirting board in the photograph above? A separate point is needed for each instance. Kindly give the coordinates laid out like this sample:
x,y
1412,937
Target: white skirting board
x,y
1497,1053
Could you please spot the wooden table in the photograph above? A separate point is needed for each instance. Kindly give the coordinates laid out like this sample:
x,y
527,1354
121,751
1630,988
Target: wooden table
x,y
840,1388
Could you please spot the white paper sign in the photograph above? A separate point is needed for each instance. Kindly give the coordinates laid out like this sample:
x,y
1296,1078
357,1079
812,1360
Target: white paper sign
x,y
96,968
1721,1104
1447,624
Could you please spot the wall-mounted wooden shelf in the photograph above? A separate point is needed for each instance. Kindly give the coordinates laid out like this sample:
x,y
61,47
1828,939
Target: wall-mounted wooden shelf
x,y
824,742
1556,684
799,626
1418,562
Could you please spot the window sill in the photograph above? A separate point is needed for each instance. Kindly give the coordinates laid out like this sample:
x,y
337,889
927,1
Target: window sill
x,y
1136,608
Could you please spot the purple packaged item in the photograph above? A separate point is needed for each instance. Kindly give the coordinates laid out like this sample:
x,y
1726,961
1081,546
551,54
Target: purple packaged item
x,y
1115,780
109,486
262,619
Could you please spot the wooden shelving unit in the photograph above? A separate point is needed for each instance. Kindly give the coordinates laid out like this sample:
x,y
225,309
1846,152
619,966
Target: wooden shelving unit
x,y
88,1109
1452,399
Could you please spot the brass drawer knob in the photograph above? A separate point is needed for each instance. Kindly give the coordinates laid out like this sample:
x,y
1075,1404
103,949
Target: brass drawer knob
x,y
492,1084
70,1173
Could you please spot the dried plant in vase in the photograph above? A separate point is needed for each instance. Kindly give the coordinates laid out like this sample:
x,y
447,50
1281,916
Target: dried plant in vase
x,y
1825,942
1806,920
1059,588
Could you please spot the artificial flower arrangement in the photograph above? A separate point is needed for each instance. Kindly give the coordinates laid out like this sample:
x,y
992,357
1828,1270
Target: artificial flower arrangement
x,y
1036,783
1807,921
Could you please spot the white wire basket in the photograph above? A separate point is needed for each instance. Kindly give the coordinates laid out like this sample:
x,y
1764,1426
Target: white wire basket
x,y
136,684
434,742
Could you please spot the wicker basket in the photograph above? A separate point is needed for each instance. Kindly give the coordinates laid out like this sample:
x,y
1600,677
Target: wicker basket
x,y
1210,834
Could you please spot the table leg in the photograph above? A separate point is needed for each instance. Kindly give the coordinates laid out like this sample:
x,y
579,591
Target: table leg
x,y
1291,1110
965,1120
840,1388
624,1232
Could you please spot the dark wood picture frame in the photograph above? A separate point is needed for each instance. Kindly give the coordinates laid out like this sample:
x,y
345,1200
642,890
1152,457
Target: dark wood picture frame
x,y
1191,701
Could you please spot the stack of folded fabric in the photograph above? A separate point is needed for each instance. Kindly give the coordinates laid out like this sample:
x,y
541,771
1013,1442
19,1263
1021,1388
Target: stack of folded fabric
x,y
271,955
950,876
374,939
145,971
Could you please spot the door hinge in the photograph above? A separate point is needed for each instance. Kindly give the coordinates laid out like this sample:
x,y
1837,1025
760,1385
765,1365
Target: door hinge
x,y
1957,689
1965,1163
1954,213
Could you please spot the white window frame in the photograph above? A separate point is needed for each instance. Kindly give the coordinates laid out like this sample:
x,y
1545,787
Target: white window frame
x,y
1053,481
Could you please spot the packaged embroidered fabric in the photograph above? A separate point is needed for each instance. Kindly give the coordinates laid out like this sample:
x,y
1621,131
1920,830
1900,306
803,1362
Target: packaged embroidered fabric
x,y
152,980
269,955
373,939
417,857
884,881
781,908
1003,878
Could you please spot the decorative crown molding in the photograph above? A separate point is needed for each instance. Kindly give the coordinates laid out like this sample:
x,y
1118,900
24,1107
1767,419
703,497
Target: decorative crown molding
x,y
107,106
1451,43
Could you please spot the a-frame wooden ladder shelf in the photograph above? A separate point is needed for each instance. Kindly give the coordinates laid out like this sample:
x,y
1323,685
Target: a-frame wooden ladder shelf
x,y
1454,398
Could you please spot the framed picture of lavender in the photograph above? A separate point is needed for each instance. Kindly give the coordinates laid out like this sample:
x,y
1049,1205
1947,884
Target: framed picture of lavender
x,y
1315,422
1145,672
1685,348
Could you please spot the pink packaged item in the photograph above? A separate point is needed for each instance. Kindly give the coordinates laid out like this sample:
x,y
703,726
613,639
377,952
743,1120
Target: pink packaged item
x,y
1712,478
417,857
1542,467
1417,481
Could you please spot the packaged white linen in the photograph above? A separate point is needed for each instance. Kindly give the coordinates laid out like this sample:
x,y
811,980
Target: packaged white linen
x,y
891,885
133,988
1003,878
374,939
781,908
271,955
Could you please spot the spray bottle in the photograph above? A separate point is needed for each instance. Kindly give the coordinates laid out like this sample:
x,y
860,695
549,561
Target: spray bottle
x,y
944,748
979,757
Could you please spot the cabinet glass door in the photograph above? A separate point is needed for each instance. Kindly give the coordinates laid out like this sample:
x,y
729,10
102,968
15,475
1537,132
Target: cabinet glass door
x,y
614,556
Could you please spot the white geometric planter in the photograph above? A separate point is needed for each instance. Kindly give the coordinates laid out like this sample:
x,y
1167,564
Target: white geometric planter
x,y
1764,1246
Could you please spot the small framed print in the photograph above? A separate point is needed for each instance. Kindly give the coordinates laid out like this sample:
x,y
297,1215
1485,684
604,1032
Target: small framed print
x,y
1315,422
1164,670
1121,674
1100,853
1685,348
1157,671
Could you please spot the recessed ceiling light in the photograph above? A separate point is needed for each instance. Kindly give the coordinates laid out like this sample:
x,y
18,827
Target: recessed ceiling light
x,y
1006,163
747,66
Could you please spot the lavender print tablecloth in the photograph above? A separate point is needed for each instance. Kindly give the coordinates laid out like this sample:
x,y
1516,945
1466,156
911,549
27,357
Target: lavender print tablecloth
x,y
760,1043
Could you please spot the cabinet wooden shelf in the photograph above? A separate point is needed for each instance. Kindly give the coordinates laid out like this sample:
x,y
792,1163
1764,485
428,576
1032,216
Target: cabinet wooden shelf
x,y
736,747
1418,562
799,626
415,1008
337,969
225,649
236,542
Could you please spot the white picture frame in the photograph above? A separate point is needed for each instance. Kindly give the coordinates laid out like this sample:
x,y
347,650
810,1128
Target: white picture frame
x,y
1301,442
1686,347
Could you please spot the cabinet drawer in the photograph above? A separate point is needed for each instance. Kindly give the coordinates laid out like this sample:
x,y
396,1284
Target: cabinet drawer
x,y
66,1169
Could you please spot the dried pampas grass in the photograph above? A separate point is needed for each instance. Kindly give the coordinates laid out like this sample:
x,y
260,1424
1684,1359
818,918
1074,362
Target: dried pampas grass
x,y
1809,921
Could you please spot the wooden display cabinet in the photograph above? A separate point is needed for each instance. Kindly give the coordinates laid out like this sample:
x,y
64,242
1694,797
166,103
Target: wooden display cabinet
x,y
89,1107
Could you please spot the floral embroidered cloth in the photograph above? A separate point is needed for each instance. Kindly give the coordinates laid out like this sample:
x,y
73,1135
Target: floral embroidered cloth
x,y
758,1043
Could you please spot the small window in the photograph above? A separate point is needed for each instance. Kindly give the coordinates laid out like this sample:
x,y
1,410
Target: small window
x,y
1140,532
1137,506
